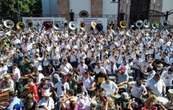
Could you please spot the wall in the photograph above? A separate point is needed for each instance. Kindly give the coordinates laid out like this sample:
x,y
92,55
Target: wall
x,y
79,5
168,5
49,8
110,9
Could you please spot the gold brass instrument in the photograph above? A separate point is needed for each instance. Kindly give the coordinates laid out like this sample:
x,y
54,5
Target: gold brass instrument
x,y
20,25
82,26
8,24
93,24
123,24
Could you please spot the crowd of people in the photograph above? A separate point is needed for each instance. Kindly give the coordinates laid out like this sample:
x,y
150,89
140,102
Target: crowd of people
x,y
87,70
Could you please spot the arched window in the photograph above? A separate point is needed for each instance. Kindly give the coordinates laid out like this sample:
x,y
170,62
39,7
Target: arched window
x,y
83,13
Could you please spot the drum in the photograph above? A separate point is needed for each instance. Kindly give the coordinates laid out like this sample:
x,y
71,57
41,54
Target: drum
x,y
162,100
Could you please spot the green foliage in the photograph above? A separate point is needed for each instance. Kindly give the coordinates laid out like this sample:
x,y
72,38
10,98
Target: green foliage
x,y
17,8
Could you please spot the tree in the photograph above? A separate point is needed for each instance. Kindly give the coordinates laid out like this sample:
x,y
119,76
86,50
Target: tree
x,y
15,9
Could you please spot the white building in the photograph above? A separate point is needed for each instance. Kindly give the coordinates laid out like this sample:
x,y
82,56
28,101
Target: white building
x,y
104,8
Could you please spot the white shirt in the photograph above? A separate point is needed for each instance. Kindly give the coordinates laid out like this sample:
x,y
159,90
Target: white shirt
x,y
137,91
88,82
49,103
66,69
16,74
39,77
167,78
157,87
109,88
98,70
82,68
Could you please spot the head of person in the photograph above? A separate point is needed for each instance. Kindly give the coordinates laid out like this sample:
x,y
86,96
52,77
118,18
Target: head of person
x,y
122,70
139,82
157,77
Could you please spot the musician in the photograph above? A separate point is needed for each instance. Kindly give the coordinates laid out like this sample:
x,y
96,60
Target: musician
x,y
46,101
33,89
156,85
65,67
15,102
109,87
7,84
167,77
138,91
122,78
82,67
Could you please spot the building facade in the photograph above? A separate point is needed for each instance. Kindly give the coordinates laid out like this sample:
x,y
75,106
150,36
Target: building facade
x,y
130,10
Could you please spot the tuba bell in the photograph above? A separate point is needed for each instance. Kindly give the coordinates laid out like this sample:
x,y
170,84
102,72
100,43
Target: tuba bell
x,y
155,25
93,24
20,25
56,27
82,26
146,24
139,24
123,24
72,25
8,24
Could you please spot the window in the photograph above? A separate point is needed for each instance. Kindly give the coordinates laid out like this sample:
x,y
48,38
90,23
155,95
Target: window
x,y
83,13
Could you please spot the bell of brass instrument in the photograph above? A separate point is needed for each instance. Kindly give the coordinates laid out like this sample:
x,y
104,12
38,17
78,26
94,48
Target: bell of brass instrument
x,y
139,24
123,24
82,26
146,24
155,25
8,24
72,25
20,25
93,24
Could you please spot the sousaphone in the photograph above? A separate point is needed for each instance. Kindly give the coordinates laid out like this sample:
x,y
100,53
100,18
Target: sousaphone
x,y
72,25
8,24
20,25
146,24
82,26
93,24
123,24
139,24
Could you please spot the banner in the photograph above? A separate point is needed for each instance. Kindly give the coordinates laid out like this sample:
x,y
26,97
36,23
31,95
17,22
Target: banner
x,y
88,21
37,22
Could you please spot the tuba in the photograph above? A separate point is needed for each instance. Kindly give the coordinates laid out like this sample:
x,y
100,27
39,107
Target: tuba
x,y
164,23
155,25
93,24
72,25
82,26
139,24
8,24
56,26
123,24
20,25
146,24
